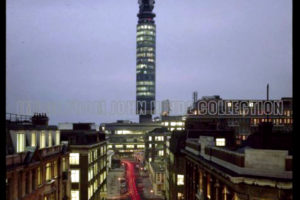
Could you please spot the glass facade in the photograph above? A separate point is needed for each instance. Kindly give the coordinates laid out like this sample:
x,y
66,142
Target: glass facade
x,y
145,61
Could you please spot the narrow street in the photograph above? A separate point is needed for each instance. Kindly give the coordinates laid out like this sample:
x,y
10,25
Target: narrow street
x,y
130,176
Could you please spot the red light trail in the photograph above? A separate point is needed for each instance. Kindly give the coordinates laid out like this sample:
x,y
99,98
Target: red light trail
x,y
131,181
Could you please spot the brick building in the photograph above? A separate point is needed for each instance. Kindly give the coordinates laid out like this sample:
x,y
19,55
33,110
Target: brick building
x,y
36,162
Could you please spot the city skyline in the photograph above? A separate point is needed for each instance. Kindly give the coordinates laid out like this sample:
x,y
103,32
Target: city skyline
x,y
58,51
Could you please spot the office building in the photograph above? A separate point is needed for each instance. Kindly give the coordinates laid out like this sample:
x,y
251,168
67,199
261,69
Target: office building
x,y
87,161
155,145
126,138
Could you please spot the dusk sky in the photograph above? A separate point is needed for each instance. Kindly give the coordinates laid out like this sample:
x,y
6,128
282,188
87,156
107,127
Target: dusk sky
x,y
84,51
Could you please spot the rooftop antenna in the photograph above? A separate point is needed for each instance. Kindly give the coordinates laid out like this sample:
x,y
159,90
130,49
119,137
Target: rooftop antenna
x,y
267,100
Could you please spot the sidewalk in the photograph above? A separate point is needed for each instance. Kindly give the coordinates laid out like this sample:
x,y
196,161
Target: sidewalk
x,y
113,184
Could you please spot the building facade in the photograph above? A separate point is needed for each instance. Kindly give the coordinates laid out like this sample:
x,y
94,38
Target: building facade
x,y
155,145
251,114
145,61
157,177
126,138
220,172
175,167
88,161
36,161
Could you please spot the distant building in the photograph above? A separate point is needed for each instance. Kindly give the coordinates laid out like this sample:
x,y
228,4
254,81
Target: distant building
x,y
36,161
145,61
88,161
157,177
261,169
173,122
243,121
155,145
126,138
165,108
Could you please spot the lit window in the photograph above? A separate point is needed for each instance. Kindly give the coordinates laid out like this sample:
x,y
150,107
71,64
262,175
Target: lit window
x,y
180,196
43,140
57,139
20,142
55,168
161,152
140,146
150,145
75,176
159,138
119,146
109,146
74,158
150,138
150,159
251,104
180,179
33,139
49,139
129,146
48,171
229,104
220,141
74,194
39,174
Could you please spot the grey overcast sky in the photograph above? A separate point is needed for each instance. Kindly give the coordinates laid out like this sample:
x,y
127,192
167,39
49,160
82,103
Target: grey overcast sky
x,y
64,53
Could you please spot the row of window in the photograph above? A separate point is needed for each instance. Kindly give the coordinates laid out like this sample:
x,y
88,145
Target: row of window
x,y
144,66
145,88
128,146
145,49
159,152
145,60
95,169
145,27
145,38
145,94
157,138
275,121
145,72
145,82
151,55
94,186
94,154
173,123
145,32
21,140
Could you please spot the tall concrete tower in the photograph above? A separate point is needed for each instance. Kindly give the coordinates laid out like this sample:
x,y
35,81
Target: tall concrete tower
x,y
145,61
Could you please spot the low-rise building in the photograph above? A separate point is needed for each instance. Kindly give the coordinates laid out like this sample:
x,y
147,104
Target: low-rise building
x,y
261,169
36,161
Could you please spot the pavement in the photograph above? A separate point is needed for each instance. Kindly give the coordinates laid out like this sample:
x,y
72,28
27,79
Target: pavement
x,y
114,185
